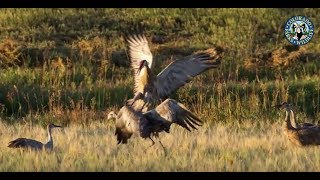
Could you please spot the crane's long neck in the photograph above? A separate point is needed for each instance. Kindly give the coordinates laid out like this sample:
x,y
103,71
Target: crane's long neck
x,y
293,119
49,143
289,120
145,78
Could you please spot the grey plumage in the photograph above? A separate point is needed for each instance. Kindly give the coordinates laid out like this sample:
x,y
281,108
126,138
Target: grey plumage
x,y
158,87
25,143
304,134
34,144
149,124
305,125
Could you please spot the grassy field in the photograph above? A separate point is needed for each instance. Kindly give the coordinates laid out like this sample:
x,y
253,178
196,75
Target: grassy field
x,y
70,67
259,146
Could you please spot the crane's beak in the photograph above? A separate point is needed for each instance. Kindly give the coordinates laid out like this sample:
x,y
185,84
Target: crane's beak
x,y
57,126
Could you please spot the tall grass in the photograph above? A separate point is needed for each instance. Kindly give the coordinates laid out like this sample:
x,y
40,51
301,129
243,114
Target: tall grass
x,y
58,60
258,146
70,66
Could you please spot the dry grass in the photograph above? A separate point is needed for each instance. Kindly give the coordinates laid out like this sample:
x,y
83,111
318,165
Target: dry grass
x,y
280,57
70,66
9,52
247,147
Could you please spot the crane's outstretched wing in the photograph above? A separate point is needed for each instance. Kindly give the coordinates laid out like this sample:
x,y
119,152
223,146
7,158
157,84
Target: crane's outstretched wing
x,y
182,71
138,51
25,143
172,111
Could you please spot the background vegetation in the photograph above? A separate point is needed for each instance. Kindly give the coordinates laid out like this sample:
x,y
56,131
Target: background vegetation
x,y
70,66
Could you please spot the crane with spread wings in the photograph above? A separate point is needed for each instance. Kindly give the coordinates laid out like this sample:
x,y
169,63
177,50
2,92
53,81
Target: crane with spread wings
x,y
149,124
151,88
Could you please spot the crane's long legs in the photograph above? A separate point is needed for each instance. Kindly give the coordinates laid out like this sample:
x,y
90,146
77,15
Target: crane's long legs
x,y
150,145
164,148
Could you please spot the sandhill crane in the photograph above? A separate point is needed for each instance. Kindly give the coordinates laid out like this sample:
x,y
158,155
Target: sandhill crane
x,y
147,124
305,134
154,88
33,144
293,118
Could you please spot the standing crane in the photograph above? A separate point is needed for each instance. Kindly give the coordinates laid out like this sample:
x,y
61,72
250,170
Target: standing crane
x,y
305,134
34,144
149,124
293,118
151,88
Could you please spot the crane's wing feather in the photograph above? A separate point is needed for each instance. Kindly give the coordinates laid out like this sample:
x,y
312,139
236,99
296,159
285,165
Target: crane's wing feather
x,y
174,112
310,135
182,71
25,143
306,125
138,50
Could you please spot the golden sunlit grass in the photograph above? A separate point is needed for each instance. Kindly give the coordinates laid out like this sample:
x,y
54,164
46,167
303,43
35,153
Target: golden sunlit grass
x,y
219,147
71,67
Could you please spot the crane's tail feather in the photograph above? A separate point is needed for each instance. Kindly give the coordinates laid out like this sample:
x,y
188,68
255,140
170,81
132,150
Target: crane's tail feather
x,y
17,143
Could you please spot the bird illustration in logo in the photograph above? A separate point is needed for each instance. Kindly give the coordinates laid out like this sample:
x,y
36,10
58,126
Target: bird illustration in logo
x,y
299,31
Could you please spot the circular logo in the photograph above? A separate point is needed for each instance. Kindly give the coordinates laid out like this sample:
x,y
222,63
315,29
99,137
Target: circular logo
x,y
298,30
